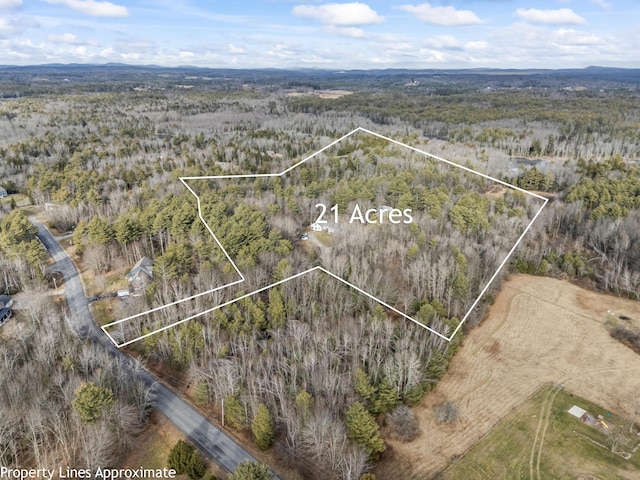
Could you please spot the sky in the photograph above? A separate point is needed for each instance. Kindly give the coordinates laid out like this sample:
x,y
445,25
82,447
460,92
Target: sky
x,y
327,35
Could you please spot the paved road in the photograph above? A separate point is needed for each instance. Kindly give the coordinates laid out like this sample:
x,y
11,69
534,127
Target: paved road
x,y
212,441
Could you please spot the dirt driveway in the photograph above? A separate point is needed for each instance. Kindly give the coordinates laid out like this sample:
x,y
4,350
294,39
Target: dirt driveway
x,y
539,330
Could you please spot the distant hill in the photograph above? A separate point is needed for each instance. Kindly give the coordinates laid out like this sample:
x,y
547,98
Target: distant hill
x,y
34,79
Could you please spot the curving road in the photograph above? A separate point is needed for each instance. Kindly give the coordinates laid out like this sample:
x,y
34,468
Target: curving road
x,y
212,441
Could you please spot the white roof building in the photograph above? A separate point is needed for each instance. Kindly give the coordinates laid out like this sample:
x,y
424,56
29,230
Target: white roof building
x,y
576,411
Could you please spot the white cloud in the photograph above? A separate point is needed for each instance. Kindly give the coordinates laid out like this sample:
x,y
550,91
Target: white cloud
x,y
133,45
353,32
13,26
7,28
395,50
10,4
234,49
568,36
602,4
282,51
475,46
131,57
442,41
68,38
523,45
108,52
342,14
552,17
94,8
429,55
446,16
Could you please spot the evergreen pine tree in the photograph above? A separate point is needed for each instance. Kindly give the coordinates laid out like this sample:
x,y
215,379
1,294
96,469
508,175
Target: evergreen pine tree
x,y
386,400
234,412
262,427
304,404
184,458
251,471
364,430
363,385
91,401
276,309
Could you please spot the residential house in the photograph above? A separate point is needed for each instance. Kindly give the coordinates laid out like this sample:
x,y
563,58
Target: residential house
x,y
6,301
140,275
316,227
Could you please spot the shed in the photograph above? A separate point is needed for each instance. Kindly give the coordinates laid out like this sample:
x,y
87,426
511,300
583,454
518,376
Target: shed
x,y
576,411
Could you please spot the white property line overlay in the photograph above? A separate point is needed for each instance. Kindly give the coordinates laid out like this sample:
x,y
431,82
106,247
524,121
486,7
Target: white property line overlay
x,y
242,279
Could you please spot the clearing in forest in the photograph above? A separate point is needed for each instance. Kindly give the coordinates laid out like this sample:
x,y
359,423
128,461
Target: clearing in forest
x,y
540,331
421,235
563,446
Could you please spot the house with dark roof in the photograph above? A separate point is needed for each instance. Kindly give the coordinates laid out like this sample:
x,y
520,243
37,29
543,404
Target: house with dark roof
x,y
140,275
6,301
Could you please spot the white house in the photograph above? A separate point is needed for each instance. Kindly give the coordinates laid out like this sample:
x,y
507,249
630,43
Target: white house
x,y
3,192
316,227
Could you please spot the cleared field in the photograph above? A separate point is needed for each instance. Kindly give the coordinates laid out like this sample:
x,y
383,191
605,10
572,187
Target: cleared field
x,y
539,331
564,446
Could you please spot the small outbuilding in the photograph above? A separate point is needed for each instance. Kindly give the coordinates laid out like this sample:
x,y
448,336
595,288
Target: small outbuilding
x,y
576,411
124,293
3,192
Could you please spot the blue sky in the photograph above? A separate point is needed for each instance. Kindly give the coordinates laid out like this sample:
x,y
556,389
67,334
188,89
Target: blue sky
x,y
318,34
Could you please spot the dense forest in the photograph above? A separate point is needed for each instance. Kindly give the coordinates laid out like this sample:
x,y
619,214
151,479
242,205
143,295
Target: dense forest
x,y
309,366
62,401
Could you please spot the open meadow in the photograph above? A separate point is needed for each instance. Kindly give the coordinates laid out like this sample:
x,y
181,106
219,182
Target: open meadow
x,y
540,440
539,331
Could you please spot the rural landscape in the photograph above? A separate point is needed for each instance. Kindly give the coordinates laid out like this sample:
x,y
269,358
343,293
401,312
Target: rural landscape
x,y
255,274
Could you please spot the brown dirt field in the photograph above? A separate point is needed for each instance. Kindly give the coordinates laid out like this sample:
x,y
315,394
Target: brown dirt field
x,y
539,330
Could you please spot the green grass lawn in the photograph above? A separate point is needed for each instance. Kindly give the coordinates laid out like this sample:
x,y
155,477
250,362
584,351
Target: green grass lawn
x,y
506,452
